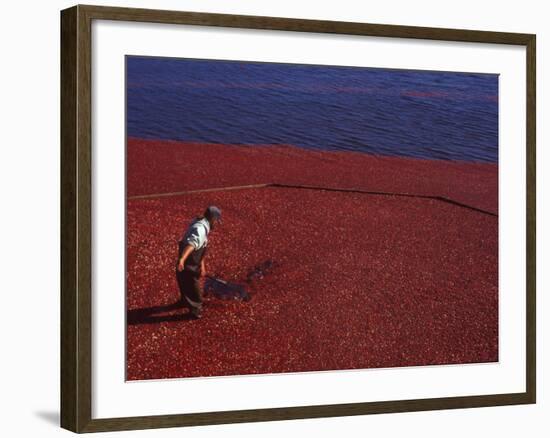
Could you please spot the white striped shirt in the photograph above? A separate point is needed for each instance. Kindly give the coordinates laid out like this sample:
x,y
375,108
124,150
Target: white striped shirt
x,y
197,233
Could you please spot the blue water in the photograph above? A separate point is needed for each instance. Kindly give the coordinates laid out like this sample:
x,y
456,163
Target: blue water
x,y
391,112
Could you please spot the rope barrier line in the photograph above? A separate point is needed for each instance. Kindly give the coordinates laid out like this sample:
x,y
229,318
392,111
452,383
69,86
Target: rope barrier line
x,y
329,189
371,192
187,192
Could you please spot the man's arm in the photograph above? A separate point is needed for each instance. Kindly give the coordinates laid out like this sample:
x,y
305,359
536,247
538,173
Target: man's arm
x,y
185,253
203,267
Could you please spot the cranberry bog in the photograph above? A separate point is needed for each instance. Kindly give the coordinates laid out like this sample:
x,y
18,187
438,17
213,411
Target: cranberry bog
x,y
349,260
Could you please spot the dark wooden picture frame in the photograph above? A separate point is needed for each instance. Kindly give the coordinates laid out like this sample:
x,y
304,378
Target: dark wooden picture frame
x,y
76,218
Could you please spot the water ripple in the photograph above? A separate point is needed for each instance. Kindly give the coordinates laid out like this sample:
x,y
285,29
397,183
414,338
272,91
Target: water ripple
x,y
394,112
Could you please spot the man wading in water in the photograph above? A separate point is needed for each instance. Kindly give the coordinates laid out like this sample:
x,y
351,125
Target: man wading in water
x,y
190,267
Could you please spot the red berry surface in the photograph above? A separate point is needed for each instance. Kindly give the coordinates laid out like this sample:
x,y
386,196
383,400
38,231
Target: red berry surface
x,y
358,280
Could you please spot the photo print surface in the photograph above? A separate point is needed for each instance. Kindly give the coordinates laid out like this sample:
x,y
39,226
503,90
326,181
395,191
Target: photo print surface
x,y
285,218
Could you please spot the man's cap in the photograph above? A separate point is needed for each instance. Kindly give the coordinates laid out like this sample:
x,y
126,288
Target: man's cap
x,y
214,212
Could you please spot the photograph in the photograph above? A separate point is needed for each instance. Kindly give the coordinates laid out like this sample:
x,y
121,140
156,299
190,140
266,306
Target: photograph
x,y
291,218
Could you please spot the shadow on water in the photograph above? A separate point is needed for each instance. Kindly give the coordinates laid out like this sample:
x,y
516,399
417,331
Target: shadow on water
x,y
219,288
260,271
234,291
149,315
225,290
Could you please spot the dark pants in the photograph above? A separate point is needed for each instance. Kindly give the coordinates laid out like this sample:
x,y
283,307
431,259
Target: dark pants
x,y
190,290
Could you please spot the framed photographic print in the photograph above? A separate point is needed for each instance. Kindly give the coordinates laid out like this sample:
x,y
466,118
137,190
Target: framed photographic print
x,y
270,218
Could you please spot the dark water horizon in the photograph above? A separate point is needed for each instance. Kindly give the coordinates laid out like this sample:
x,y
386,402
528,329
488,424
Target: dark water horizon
x,y
420,114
